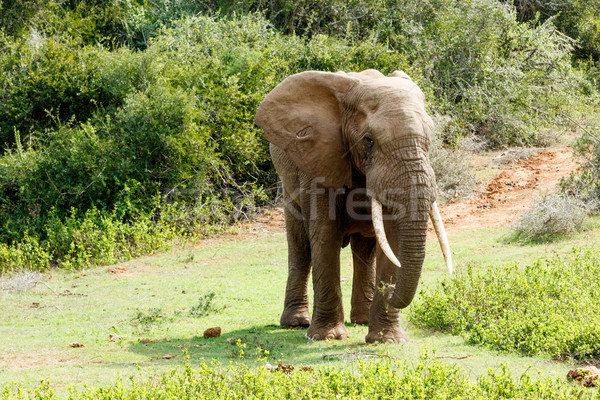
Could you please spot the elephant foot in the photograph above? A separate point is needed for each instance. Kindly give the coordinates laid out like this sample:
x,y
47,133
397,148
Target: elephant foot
x,y
337,332
396,335
295,318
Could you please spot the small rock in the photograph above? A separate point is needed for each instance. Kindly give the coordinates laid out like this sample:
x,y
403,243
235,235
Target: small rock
x,y
113,337
285,368
212,332
588,376
168,356
76,344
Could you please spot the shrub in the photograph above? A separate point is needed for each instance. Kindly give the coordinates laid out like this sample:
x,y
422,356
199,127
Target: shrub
x,y
550,217
454,180
577,19
427,379
28,254
502,80
20,281
206,306
585,182
148,320
547,307
43,80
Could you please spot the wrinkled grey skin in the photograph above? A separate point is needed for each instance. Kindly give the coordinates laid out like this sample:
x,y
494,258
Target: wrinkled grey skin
x,y
337,140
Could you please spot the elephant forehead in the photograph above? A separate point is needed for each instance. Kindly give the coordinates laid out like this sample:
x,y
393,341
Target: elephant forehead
x,y
400,127
386,89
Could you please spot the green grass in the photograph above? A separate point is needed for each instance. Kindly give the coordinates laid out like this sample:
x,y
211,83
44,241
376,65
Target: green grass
x,y
247,273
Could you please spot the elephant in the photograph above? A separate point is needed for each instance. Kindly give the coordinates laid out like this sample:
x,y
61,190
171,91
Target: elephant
x,y
351,150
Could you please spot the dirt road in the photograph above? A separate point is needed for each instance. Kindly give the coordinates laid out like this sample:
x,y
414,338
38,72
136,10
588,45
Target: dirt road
x,y
511,192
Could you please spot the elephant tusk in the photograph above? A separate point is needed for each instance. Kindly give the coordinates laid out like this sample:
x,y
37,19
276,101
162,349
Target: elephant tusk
x,y
438,225
377,214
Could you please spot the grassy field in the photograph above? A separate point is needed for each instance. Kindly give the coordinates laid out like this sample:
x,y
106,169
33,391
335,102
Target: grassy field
x,y
152,307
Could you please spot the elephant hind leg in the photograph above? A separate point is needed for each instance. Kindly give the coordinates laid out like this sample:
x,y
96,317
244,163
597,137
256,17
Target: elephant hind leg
x,y
363,280
295,311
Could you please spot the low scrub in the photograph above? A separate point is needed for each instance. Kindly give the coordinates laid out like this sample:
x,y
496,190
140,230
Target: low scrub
x,y
585,182
429,379
21,281
206,305
552,216
548,307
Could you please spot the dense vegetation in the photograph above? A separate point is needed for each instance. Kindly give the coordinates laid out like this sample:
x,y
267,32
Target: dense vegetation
x,y
382,380
127,124
547,307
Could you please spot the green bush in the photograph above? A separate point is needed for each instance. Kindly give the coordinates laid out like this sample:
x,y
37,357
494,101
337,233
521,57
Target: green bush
x,y
43,81
547,307
503,81
427,379
578,19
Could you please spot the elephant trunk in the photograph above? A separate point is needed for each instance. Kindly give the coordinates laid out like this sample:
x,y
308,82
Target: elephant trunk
x,y
409,238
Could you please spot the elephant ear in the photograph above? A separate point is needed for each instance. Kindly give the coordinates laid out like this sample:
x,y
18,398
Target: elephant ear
x,y
400,74
303,117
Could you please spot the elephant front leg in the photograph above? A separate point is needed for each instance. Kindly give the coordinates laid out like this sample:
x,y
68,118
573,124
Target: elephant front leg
x,y
328,312
384,320
363,280
295,310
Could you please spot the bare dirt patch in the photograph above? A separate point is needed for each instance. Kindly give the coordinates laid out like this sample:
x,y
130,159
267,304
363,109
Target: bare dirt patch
x,y
510,193
119,270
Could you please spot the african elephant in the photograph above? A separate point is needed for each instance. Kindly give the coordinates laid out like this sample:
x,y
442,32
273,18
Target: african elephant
x,y
351,150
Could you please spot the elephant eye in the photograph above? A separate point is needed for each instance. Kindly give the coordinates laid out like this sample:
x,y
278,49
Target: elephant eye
x,y
369,141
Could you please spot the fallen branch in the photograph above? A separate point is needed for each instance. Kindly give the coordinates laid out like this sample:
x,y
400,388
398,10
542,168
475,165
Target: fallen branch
x,y
358,353
456,357
48,286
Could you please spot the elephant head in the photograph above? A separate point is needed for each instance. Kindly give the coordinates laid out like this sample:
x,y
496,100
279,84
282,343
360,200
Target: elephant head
x,y
353,129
